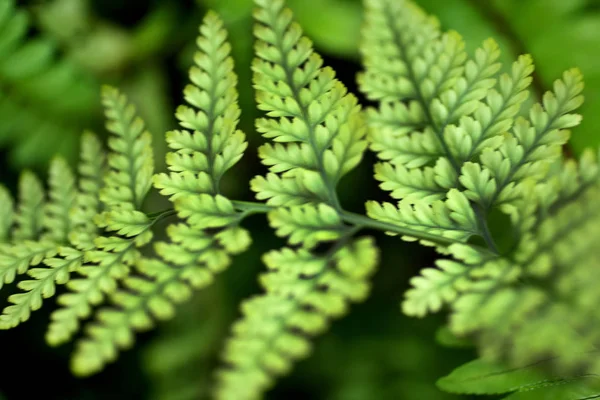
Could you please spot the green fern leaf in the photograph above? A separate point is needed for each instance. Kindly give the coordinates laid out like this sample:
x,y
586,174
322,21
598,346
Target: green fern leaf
x,y
16,259
200,158
100,273
30,210
131,162
125,186
91,170
453,218
304,291
7,214
312,113
62,194
282,192
43,285
114,328
206,211
193,256
307,225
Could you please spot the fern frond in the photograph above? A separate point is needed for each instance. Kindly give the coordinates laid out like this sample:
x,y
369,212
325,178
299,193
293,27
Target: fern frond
x,y
537,142
281,192
456,108
201,156
131,162
30,210
198,160
17,258
102,269
7,214
518,304
62,194
320,136
91,171
304,291
43,285
453,218
193,258
307,225
451,132
142,299
126,184
318,123
68,215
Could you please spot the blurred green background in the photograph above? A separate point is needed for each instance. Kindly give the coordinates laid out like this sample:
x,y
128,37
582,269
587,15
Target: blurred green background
x,y
145,48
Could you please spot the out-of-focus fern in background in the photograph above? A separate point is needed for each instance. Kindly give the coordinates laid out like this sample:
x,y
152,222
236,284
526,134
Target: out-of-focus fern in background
x,y
54,54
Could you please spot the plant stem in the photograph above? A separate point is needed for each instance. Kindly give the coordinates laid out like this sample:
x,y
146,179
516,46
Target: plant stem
x,y
359,221
366,222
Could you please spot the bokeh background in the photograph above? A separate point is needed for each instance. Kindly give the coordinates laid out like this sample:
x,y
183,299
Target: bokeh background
x,y
145,47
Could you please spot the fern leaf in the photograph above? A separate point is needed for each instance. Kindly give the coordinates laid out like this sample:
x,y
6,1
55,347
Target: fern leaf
x,y
91,170
113,328
7,214
100,273
125,186
62,196
43,285
508,304
409,184
201,157
68,215
304,291
453,218
417,150
194,257
311,112
456,107
198,160
282,192
206,211
131,162
537,141
435,287
307,225
16,259
30,210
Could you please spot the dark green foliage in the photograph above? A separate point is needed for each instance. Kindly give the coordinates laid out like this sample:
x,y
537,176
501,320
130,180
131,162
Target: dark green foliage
x,y
39,93
459,143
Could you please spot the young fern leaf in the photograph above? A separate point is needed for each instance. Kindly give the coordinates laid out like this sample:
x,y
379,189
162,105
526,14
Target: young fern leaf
x,y
125,186
62,194
201,156
29,246
77,222
30,209
317,124
92,168
474,154
304,291
56,224
7,214
130,161
319,133
198,161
